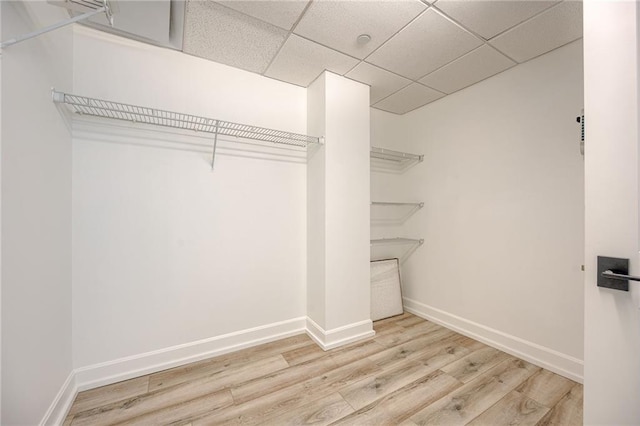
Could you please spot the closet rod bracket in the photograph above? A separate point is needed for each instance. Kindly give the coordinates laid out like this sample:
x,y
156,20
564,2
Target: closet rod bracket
x,y
215,144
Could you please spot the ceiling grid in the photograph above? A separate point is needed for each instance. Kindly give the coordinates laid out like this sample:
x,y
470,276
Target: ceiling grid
x,y
418,51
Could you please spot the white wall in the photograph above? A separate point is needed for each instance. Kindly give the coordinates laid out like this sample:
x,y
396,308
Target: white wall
x,y
612,318
387,131
36,215
165,251
390,131
502,183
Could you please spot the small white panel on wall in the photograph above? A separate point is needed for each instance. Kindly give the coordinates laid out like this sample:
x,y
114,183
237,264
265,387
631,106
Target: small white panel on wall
x,y
386,296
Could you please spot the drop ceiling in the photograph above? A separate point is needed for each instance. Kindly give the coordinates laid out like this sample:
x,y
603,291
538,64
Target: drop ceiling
x,y
418,52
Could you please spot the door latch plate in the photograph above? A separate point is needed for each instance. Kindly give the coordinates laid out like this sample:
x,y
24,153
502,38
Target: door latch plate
x,y
617,265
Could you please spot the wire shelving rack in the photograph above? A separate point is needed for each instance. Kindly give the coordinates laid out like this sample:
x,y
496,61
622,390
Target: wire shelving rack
x,y
392,213
138,114
398,247
395,161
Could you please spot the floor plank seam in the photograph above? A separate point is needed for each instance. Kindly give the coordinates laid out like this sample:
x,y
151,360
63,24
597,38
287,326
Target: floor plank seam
x,y
411,370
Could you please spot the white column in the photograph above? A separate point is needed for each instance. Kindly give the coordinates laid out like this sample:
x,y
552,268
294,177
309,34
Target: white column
x,y
338,282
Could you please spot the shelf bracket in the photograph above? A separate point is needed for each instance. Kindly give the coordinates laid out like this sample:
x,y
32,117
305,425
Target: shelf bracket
x,y
215,143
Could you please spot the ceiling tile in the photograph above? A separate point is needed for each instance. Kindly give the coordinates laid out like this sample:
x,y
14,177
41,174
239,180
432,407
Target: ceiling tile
x,y
408,99
467,70
338,24
425,45
283,13
301,61
489,17
382,82
547,31
223,35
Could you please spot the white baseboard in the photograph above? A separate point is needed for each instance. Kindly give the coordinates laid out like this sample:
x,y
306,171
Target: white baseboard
x,y
138,365
330,339
60,406
550,359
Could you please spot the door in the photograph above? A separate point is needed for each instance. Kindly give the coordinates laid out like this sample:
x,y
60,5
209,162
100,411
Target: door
x,y
612,317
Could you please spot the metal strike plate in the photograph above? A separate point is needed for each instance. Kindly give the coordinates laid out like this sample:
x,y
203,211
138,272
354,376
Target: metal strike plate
x,y
617,265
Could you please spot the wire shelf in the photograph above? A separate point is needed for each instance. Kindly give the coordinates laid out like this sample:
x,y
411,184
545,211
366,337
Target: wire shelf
x,y
393,204
391,213
389,160
157,117
396,240
389,248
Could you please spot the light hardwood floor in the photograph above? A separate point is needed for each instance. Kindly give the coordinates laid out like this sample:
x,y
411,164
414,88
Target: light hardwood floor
x,y
413,372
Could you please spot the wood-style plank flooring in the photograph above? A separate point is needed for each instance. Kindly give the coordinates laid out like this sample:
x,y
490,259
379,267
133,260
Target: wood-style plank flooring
x,y
413,372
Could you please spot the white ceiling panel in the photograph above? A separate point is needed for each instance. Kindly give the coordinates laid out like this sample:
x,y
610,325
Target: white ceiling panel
x,y
301,61
382,82
215,32
553,28
283,13
337,24
419,51
425,45
489,17
473,67
408,99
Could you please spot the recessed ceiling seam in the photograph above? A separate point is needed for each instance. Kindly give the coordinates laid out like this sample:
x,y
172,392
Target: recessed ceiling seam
x,y
528,19
293,27
475,35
